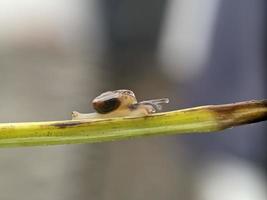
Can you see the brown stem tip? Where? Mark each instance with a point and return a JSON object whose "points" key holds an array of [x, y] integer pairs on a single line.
{"points": [[234, 114]]}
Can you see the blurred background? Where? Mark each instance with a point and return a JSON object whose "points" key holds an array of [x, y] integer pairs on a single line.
{"points": [[55, 56]]}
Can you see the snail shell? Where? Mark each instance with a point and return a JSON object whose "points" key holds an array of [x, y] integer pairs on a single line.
{"points": [[113, 100]]}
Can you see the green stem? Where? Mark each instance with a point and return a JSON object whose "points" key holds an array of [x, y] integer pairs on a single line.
{"points": [[193, 120]]}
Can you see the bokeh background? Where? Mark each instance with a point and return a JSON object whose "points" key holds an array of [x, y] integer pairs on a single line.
{"points": [[55, 56]]}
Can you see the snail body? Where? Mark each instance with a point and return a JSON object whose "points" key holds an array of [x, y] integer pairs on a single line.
{"points": [[120, 103]]}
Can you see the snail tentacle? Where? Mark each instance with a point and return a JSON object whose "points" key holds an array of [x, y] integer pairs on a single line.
{"points": [[155, 103]]}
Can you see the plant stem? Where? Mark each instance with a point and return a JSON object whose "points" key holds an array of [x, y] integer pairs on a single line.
{"points": [[193, 120]]}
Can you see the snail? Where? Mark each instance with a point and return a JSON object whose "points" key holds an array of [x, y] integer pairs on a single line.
{"points": [[120, 103]]}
